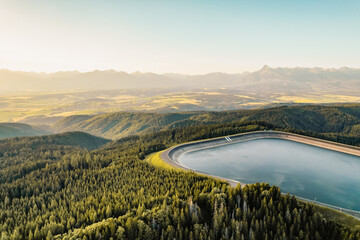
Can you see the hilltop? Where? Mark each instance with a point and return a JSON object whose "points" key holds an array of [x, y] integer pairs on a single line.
{"points": [[117, 125], [22, 156], [73, 139], [337, 119], [9, 130]]}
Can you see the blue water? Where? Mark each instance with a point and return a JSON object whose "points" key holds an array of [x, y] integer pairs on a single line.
{"points": [[300, 169]]}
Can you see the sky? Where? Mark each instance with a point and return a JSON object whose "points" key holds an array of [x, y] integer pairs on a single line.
{"points": [[187, 36]]}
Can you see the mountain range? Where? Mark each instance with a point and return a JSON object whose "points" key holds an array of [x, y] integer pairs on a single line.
{"points": [[267, 78]]}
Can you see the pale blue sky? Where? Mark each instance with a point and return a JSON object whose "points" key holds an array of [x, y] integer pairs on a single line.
{"points": [[177, 36]]}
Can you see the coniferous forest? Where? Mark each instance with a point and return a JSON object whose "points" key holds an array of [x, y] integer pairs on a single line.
{"points": [[62, 187], [119, 120]]}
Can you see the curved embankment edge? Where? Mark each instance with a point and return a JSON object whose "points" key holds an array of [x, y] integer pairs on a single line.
{"points": [[171, 155]]}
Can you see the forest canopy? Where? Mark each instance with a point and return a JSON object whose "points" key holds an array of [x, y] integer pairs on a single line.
{"points": [[51, 190]]}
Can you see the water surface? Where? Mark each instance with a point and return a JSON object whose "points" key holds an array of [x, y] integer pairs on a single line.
{"points": [[300, 169]]}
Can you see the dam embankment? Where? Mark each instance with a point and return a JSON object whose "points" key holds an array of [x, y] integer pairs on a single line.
{"points": [[307, 162], [171, 155]]}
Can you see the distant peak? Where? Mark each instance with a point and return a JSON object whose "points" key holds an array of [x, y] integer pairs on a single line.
{"points": [[265, 68]]}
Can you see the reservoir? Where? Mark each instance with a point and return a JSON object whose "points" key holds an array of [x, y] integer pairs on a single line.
{"points": [[303, 170]]}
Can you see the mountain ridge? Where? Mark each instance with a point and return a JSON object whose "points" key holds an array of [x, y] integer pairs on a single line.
{"points": [[308, 118], [10, 130], [111, 79]]}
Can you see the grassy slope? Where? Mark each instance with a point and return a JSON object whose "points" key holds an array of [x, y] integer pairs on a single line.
{"points": [[337, 216], [155, 160]]}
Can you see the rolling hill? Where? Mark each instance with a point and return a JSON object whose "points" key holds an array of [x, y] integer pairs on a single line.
{"points": [[73, 139], [9, 130], [117, 125], [332, 119], [21, 156], [339, 119]]}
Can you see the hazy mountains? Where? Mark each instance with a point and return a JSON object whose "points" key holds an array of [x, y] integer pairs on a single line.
{"points": [[105, 80], [278, 79], [316, 79], [45, 98]]}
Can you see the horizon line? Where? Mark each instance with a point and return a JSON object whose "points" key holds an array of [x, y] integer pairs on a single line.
{"points": [[178, 73]]}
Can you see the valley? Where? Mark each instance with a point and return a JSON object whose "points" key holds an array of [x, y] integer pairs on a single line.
{"points": [[39, 98]]}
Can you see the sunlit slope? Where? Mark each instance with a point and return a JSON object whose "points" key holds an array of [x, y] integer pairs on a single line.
{"points": [[116, 125], [324, 119], [70, 121], [340, 119], [8, 130]]}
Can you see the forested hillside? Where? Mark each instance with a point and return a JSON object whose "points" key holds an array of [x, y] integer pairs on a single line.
{"points": [[79, 139], [117, 125], [9, 130], [111, 193], [341, 120], [318, 118], [40, 151]]}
